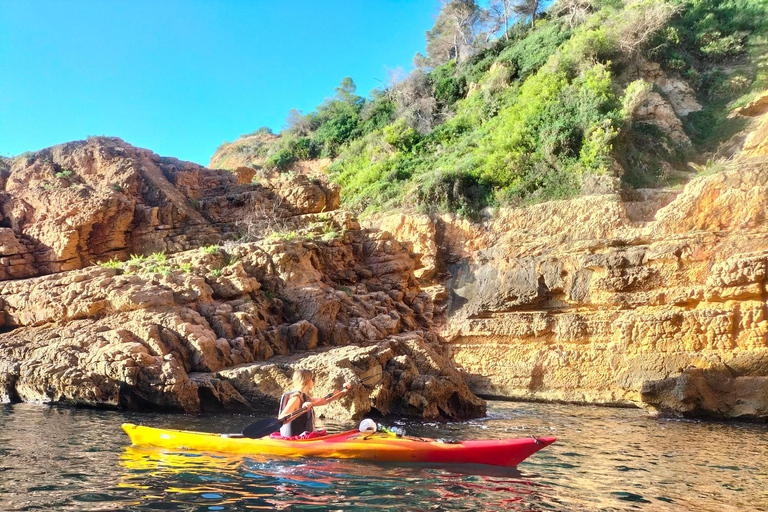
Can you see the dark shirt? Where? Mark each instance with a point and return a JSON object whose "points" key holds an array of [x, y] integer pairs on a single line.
{"points": [[303, 423]]}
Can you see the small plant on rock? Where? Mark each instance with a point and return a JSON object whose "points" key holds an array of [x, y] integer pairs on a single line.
{"points": [[137, 259], [331, 235], [112, 263], [711, 167], [330, 232]]}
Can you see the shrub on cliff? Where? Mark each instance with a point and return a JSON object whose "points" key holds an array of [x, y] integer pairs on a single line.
{"points": [[290, 149]]}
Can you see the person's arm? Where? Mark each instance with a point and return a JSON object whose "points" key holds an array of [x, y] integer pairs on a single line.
{"points": [[324, 400], [293, 405]]}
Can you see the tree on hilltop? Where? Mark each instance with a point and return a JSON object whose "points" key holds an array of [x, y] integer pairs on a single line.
{"points": [[526, 8], [345, 92], [500, 12], [458, 31]]}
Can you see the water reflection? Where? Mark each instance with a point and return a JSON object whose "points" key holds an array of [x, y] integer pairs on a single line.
{"points": [[236, 482], [605, 459]]}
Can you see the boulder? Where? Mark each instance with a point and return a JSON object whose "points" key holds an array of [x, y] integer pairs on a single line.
{"points": [[417, 380], [708, 393]]}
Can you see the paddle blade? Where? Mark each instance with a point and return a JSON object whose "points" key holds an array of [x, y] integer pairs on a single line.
{"points": [[371, 377], [262, 428]]}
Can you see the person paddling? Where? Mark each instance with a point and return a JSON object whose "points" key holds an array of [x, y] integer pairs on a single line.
{"points": [[292, 401]]}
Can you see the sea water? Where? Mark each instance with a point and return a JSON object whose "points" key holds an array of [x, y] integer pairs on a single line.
{"points": [[56, 458]]}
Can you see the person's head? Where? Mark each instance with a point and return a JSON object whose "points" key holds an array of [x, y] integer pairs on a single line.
{"points": [[302, 379]]}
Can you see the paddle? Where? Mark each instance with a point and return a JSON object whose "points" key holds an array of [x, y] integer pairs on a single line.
{"points": [[266, 426]]}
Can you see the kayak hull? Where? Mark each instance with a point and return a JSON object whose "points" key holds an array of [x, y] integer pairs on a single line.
{"points": [[378, 447]]}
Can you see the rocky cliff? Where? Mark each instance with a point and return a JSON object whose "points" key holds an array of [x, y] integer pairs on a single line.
{"points": [[215, 284], [657, 298], [211, 289], [71, 205]]}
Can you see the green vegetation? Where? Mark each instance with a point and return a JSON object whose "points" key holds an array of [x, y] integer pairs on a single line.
{"points": [[330, 232], [210, 249], [527, 113], [710, 167], [287, 236], [155, 263], [137, 259], [112, 263]]}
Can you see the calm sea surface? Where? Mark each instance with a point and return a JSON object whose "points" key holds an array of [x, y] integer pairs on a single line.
{"points": [[605, 459]]}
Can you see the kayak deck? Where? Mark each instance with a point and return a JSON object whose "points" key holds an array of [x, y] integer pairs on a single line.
{"points": [[380, 447]]}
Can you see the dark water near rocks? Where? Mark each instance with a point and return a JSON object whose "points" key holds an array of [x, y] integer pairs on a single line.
{"points": [[605, 459]]}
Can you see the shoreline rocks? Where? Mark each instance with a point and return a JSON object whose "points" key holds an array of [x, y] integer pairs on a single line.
{"points": [[177, 325]]}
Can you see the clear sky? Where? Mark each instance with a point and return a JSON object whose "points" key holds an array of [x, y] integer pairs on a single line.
{"points": [[180, 77]]}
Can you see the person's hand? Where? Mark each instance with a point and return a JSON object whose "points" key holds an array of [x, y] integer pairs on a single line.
{"points": [[308, 405]]}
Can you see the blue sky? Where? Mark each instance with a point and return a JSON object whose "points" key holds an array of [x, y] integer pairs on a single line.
{"points": [[179, 77]]}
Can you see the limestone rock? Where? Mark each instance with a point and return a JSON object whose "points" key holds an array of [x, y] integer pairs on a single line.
{"points": [[77, 203], [16, 256], [711, 392], [604, 299], [654, 109], [757, 107], [681, 96], [177, 332], [418, 229], [756, 143]]}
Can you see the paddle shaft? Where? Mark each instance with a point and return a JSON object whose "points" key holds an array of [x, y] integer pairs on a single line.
{"points": [[330, 397]]}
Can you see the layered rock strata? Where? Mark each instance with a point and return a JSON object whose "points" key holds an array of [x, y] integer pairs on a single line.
{"points": [[659, 301], [182, 334]]}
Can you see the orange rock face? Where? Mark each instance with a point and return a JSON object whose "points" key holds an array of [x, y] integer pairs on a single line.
{"points": [[756, 143], [601, 300], [88, 201], [215, 328]]}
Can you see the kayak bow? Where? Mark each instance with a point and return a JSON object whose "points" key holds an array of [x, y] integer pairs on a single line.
{"points": [[379, 446]]}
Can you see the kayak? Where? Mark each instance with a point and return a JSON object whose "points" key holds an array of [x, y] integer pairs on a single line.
{"points": [[377, 446]]}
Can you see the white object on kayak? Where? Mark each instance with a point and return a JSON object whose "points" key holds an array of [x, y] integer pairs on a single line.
{"points": [[367, 425]]}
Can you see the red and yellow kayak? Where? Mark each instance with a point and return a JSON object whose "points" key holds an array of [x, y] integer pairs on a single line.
{"points": [[379, 446]]}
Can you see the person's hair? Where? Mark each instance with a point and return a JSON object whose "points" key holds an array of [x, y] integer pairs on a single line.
{"points": [[301, 378]]}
